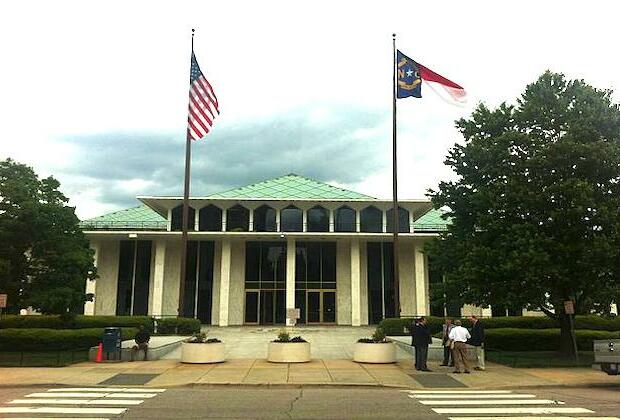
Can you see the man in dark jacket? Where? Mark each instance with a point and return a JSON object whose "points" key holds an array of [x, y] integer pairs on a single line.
{"points": [[477, 340], [420, 339]]}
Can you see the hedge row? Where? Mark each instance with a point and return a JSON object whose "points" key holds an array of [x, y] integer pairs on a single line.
{"points": [[515, 339], [44, 339], [178, 326], [79, 322], [400, 326]]}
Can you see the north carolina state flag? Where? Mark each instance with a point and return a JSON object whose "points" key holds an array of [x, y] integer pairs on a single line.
{"points": [[411, 74]]}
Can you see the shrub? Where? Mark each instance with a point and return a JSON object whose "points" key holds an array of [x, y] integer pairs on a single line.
{"points": [[400, 326], [516, 339], [45, 339], [285, 337], [178, 326], [77, 322], [202, 338]]}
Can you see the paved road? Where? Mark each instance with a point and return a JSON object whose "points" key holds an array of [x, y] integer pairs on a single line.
{"points": [[310, 402]]}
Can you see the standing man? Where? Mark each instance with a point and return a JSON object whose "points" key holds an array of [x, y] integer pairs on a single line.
{"points": [[477, 340], [448, 358], [459, 336], [420, 340]]}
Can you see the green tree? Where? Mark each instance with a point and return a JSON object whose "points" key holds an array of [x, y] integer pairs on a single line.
{"points": [[44, 256], [535, 207]]}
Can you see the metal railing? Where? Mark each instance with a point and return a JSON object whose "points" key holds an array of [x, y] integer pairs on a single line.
{"points": [[122, 225]]}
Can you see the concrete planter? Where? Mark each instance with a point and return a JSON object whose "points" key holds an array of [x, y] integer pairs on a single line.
{"points": [[374, 353], [288, 352], [202, 352]]}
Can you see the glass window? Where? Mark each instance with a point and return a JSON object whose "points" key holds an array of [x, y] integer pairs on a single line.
{"points": [[125, 278], [237, 219], [265, 262], [134, 273], [291, 219], [177, 218], [210, 219], [346, 219], [315, 266], [380, 281], [403, 220], [371, 220], [318, 219], [265, 219]]}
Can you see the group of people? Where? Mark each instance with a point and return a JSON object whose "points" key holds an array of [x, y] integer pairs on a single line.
{"points": [[455, 339]]}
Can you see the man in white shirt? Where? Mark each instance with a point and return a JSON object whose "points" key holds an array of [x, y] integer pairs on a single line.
{"points": [[459, 335]]}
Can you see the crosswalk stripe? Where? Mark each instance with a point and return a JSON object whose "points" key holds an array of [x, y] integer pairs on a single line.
{"points": [[62, 410], [488, 396], [490, 402], [75, 402], [533, 418], [412, 391], [513, 410], [103, 389], [90, 395]]}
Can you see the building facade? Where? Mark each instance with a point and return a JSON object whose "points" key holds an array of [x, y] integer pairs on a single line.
{"points": [[254, 251]]}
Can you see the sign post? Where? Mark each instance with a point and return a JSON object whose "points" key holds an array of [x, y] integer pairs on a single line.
{"points": [[293, 314], [569, 311], [2, 303]]}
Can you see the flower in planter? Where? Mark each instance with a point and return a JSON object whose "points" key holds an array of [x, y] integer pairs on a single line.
{"points": [[285, 337], [199, 338], [377, 337]]}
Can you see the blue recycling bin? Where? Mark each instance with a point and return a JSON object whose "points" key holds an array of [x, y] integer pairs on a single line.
{"points": [[112, 340]]}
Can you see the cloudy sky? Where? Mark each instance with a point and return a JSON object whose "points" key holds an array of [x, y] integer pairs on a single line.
{"points": [[95, 93]]}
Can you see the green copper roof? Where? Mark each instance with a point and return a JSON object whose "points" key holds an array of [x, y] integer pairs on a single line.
{"points": [[141, 217], [291, 187], [432, 220]]}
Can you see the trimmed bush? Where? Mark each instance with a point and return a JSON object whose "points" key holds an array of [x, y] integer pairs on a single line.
{"points": [[80, 321], [178, 326], [517, 339], [400, 326], [45, 339]]}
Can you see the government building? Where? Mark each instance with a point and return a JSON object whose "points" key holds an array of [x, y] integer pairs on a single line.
{"points": [[254, 251]]}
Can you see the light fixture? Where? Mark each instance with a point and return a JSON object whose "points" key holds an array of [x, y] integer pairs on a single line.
{"points": [[133, 235]]}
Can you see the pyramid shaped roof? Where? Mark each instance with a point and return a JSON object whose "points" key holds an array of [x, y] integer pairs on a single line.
{"points": [[291, 186]]}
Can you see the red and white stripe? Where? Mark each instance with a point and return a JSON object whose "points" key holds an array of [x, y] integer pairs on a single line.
{"points": [[203, 108], [452, 92]]}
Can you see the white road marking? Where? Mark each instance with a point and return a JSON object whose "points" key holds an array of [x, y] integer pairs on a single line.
{"points": [[413, 391], [61, 410], [490, 402], [103, 389], [448, 396], [533, 418], [513, 410], [76, 402], [90, 395]]}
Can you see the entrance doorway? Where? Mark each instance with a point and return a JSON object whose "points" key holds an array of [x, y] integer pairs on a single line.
{"points": [[265, 307], [320, 307]]}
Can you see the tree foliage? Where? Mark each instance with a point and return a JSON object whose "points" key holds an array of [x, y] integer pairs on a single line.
{"points": [[44, 256], [535, 208]]}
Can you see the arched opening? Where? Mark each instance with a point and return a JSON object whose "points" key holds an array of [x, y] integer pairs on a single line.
{"points": [[403, 220], [371, 220], [291, 219], [210, 219], [237, 219], [265, 219], [318, 219], [176, 224], [346, 219]]}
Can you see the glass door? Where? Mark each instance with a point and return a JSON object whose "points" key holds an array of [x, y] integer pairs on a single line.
{"points": [[329, 307], [313, 307], [320, 307]]}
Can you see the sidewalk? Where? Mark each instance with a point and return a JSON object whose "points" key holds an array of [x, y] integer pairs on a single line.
{"points": [[171, 373]]}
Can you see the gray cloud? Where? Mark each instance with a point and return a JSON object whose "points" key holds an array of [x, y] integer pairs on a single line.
{"points": [[327, 147]]}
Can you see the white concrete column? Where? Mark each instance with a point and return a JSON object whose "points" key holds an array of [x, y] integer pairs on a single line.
{"points": [[331, 220], [356, 301], [158, 278], [196, 220], [290, 277], [422, 304], [225, 282], [278, 219], [384, 221], [358, 220], [91, 285], [304, 220], [169, 220], [251, 220], [411, 222]]}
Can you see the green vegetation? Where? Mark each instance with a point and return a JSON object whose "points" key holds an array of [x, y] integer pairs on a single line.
{"points": [[43, 339], [44, 256], [178, 326], [514, 339], [535, 206], [539, 359], [79, 321]]}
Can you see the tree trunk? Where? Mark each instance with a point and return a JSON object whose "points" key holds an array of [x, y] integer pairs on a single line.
{"points": [[566, 335]]}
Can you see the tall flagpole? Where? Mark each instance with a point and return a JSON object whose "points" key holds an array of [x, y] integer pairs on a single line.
{"points": [[188, 160], [395, 212]]}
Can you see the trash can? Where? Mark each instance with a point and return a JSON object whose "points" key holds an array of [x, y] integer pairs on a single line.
{"points": [[112, 340]]}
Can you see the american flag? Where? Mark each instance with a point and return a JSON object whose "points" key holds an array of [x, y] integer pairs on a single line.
{"points": [[203, 106]]}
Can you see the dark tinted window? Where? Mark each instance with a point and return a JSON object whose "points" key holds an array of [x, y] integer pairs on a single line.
{"points": [[371, 220], [291, 219], [345, 220], [318, 219], [403, 220], [237, 219], [210, 219], [177, 218], [264, 219]]}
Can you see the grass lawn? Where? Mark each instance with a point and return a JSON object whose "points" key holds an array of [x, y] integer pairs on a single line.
{"points": [[538, 359], [42, 358]]}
